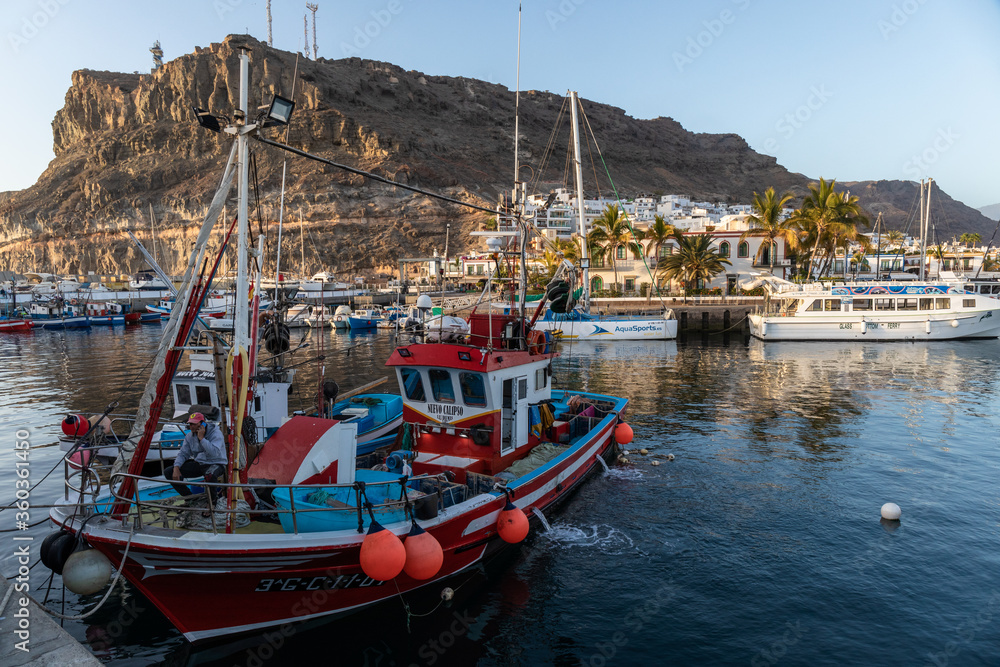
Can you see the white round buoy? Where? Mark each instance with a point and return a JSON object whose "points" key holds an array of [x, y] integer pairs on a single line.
{"points": [[954, 324], [670, 457], [655, 463], [625, 452], [891, 511], [86, 572]]}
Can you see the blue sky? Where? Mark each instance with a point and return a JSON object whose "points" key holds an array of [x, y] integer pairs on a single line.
{"points": [[853, 90]]}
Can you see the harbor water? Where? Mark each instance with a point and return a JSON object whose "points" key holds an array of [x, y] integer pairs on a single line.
{"points": [[759, 543]]}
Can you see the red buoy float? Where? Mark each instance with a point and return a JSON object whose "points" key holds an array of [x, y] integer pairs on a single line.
{"points": [[80, 458], [382, 553], [75, 425], [424, 555], [512, 524], [623, 434]]}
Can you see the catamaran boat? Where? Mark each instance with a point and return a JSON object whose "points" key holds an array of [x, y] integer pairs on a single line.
{"points": [[872, 311]]}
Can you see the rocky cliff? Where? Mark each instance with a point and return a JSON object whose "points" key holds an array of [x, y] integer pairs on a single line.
{"points": [[125, 142]]}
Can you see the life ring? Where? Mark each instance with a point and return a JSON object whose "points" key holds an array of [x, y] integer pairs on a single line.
{"points": [[536, 342], [72, 302]]}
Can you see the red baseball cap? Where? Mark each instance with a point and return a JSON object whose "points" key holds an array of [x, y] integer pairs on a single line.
{"points": [[196, 418]]}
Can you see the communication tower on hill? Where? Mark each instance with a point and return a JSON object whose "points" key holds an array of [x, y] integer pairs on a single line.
{"points": [[269, 42], [157, 55], [305, 31], [311, 7]]}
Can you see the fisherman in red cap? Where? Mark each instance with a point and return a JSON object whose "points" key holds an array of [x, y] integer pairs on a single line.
{"points": [[203, 454]]}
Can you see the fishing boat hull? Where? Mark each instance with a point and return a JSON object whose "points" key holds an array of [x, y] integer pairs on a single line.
{"points": [[15, 326], [107, 320], [268, 580], [63, 323]]}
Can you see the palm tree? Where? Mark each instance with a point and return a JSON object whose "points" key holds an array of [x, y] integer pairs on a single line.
{"points": [[658, 235], [822, 210], [610, 232], [694, 260], [766, 221], [970, 239], [895, 238]]}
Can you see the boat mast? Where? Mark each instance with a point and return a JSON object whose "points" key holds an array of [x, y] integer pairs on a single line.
{"points": [[152, 226], [302, 248], [927, 221], [241, 337], [923, 233], [520, 192], [578, 169]]}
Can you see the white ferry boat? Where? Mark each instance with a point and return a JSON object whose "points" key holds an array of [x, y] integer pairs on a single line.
{"points": [[872, 311]]}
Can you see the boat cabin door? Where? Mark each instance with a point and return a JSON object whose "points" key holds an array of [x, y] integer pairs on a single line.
{"points": [[514, 414]]}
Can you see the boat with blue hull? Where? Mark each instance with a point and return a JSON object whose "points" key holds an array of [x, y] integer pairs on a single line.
{"points": [[57, 315]]}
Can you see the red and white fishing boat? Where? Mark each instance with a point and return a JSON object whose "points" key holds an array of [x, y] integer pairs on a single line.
{"points": [[486, 444], [14, 325]]}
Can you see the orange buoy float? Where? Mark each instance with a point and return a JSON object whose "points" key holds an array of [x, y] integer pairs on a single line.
{"points": [[512, 524], [75, 425], [623, 434], [424, 555], [382, 553]]}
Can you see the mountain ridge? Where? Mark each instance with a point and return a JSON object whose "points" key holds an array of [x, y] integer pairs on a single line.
{"points": [[125, 141]]}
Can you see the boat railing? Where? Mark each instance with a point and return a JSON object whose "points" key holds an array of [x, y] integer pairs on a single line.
{"points": [[163, 512]]}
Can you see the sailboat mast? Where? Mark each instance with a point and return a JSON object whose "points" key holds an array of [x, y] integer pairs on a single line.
{"points": [[152, 226], [241, 336], [927, 219], [302, 247], [923, 233], [578, 169]]}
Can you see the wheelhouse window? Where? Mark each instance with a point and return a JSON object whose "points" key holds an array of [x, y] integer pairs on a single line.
{"points": [[927, 304], [831, 304], [817, 305], [184, 394], [204, 395], [413, 384], [473, 389], [441, 387], [906, 304]]}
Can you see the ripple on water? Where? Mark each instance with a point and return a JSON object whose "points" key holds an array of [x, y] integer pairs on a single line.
{"points": [[605, 538]]}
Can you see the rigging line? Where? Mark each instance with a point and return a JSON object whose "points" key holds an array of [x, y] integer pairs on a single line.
{"points": [[987, 251], [375, 177], [628, 223], [550, 146]]}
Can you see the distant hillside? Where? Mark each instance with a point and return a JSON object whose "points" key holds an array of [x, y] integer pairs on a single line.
{"points": [[992, 211], [124, 142], [898, 201]]}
